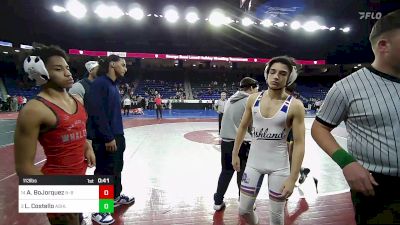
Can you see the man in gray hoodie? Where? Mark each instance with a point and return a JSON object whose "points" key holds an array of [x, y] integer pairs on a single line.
{"points": [[233, 112]]}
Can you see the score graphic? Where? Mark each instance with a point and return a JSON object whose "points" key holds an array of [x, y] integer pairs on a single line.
{"points": [[106, 195], [66, 194]]}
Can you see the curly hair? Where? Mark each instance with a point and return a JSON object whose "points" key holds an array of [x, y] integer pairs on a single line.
{"points": [[45, 52]]}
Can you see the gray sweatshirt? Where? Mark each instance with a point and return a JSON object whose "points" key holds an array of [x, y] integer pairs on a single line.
{"points": [[77, 89], [233, 112]]}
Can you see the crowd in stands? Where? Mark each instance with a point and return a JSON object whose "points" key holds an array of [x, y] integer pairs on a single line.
{"points": [[12, 103], [168, 89], [143, 95], [213, 89], [141, 85]]}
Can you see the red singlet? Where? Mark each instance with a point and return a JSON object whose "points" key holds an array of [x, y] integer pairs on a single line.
{"points": [[64, 144]]}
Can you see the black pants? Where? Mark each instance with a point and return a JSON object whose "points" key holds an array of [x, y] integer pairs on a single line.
{"points": [[110, 163], [227, 168], [219, 122], [64, 218], [159, 111], [126, 109], [384, 207]]}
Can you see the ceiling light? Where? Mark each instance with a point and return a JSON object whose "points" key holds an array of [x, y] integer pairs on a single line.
{"points": [[192, 17], [76, 8], [136, 13], [171, 15]]}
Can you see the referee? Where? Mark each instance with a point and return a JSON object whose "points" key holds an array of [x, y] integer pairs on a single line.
{"points": [[219, 107], [368, 101]]}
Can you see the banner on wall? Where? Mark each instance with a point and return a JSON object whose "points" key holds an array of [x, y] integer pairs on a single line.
{"points": [[185, 57], [120, 54]]}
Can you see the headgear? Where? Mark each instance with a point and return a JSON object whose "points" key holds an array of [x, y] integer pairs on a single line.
{"points": [[293, 75], [34, 66]]}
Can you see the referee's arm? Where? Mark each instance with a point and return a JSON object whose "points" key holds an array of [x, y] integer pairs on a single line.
{"points": [[321, 133], [332, 113]]}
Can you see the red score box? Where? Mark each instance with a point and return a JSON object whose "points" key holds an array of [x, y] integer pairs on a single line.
{"points": [[106, 192]]}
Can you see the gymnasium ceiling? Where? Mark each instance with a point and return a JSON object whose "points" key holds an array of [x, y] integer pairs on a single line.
{"points": [[27, 21]]}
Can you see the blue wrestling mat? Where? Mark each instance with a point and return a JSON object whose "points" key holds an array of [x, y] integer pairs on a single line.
{"points": [[186, 113]]}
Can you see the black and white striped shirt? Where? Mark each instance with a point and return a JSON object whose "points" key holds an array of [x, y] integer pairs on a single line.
{"points": [[369, 103]]}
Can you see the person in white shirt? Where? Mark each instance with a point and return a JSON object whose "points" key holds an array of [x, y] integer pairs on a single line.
{"points": [[127, 105], [24, 100], [219, 107]]}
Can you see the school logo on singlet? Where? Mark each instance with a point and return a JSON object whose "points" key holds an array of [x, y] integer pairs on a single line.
{"points": [[264, 134], [245, 179], [74, 132], [74, 136]]}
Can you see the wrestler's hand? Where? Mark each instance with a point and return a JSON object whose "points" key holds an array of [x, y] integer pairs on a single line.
{"points": [[236, 162], [89, 155], [287, 188]]}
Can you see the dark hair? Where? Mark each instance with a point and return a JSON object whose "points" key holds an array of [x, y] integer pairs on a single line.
{"points": [[45, 52], [104, 63], [248, 82], [387, 23], [291, 88], [286, 60]]}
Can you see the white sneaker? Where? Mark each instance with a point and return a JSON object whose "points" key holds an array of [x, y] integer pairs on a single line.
{"points": [[123, 200], [103, 218], [219, 207]]}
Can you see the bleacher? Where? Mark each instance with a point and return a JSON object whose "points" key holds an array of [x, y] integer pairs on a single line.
{"points": [[208, 91], [167, 89], [14, 90], [314, 91]]}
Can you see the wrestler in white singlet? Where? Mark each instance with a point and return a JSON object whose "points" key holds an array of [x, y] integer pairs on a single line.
{"points": [[268, 155]]}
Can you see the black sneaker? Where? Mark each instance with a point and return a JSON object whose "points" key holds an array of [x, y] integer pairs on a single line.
{"points": [[303, 175], [103, 218], [316, 184], [123, 200]]}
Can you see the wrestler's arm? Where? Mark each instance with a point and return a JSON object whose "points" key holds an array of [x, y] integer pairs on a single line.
{"points": [[26, 135], [296, 115], [298, 128]]}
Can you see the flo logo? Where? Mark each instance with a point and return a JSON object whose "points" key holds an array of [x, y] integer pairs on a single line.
{"points": [[370, 15]]}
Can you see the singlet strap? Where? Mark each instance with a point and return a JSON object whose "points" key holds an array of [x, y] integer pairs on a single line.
{"points": [[50, 106], [257, 102], [78, 103], [44, 101], [286, 104], [55, 107]]}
